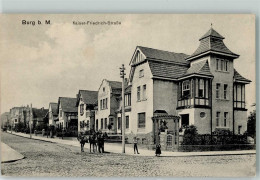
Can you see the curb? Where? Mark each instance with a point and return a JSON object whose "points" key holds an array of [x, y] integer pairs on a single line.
{"points": [[187, 155], [32, 138], [10, 161]]}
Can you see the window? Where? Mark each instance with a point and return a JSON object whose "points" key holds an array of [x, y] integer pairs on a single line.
{"points": [[102, 124], [96, 124], [60, 113], [119, 123], [225, 91], [87, 124], [141, 120], [225, 118], [226, 66], [127, 122], [186, 88], [128, 100], [239, 129], [106, 103], [217, 65], [105, 123], [144, 92], [101, 104], [222, 65], [217, 90], [217, 118], [81, 109], [138, 93], [141, 73], [201, 88], [104, 89], [202, 114], [191, 89]]}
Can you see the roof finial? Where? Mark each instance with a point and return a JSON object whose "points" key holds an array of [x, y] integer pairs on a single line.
{"points": [[211, 25]]}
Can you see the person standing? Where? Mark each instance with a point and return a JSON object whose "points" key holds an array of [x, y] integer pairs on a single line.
{"points": [[81, 140], [135, 145], [158, 151]]}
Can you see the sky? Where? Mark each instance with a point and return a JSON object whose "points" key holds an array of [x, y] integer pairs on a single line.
{"points": [[41, 63]]}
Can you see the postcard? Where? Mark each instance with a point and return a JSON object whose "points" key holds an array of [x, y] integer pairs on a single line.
{"points": [[128, 95]]}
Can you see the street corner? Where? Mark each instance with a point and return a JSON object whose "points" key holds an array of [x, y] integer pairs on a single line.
{"points": [[8, 154]]}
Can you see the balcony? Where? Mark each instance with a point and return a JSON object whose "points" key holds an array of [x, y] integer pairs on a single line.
{"points": [[195, 102]]}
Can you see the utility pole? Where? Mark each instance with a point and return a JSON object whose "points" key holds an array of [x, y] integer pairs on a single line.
{"points": [[122, 75], [30, 121]]}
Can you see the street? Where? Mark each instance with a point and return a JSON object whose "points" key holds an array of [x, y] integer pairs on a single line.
{"points": [[51, 159]]}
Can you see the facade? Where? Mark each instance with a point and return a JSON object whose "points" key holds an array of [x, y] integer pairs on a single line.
{"points": [[23, 115], [53, 114], [203, 89], [86, 102], [67, 113], [109, 94], [5, 119], [17, 114], [128, 129], [38, 116]]}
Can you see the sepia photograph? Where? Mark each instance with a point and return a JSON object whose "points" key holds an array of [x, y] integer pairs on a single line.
{"points": [[128, 95]]}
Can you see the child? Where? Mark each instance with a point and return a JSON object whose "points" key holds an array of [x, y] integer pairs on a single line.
{"points": [[158, 150]]}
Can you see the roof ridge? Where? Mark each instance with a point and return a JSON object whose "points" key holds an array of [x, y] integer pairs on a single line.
{"points": [[88, 90], [163, 50]]}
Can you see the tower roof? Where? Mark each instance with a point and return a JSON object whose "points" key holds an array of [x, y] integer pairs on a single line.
{"points": [[211, 32], [212, 42]]}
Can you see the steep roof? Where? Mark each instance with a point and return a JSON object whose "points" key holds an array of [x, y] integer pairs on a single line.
{"points": [[212, 41], [213, 33], [115, 84], [68, 104], [54, 108], [167, 70], [238, 77], [39, 113], [89, 97], [199, 68], [157, 54]]}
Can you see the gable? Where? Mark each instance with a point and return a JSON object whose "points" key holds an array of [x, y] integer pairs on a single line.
{"points": [[137, 57]]}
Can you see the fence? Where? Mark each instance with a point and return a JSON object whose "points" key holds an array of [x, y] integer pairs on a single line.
{"points": [[208, 139]]}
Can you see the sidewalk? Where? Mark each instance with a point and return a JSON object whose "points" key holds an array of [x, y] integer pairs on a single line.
{"points": [[117, 148], [8, 154]]}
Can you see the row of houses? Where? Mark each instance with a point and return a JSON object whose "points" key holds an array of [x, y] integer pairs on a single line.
{"points": [[25, 115], [203, 89]]}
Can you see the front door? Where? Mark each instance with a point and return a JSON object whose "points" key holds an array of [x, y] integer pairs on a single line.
{"points": [[184, 120]]}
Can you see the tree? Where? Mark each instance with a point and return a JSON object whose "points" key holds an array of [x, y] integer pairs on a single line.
{"points": [[251, 124], [190, 136]]}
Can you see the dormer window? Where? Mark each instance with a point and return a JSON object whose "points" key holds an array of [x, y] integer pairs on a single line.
{"points": [[141, 73], [104, 89]]}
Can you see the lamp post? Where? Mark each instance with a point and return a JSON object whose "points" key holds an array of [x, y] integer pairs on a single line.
{"points": [[122, 75], [30, 121]]}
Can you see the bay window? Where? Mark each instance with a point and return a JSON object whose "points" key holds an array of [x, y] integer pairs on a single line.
{"points": [[186, 88]]}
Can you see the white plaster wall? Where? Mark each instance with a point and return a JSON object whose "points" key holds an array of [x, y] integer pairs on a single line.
{"points": [[143, 105], [222, 105], [165, 96], [240, 120]]}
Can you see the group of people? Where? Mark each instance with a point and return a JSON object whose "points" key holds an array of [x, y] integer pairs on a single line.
{"points": [[96, 141]]}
